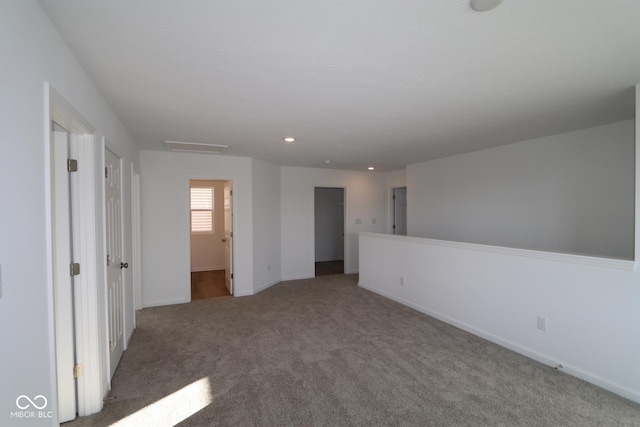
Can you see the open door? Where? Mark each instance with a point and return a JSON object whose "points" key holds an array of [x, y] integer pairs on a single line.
{"points": [[115, 262], [228, 236], [63, 274]]}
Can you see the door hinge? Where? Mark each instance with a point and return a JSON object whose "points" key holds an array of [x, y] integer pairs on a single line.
{"points": [[231, 192], [74, 269], [110, 346], [106, 172], [231, 234], [232, 275], [72, 165], [78, 371]]}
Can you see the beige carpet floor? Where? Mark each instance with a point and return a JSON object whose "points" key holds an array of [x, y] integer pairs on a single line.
{"points": [[323, 352]]}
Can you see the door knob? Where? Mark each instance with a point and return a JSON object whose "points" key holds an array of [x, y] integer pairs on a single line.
{"points": [[224, 240], [124, 265]]}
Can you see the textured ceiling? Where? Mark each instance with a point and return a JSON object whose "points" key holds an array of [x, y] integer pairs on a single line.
{"points": [[359, 82]]}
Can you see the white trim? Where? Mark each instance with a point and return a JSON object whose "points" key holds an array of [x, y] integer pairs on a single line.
{"points": [[539, 357], [137, 242], [298, 277], [89, 390], [102, 267], [265, 286], [637, 177], [243, 294], [619, 264], [53, 367], [159, 303], [62, 112]]}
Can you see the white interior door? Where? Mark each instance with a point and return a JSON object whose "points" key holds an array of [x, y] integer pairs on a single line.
{"points": [[400, 211], [228, 236], [63, 281], [115, 262]]}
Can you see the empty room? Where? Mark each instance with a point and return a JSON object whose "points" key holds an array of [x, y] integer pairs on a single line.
{"points": [[329, 213]]}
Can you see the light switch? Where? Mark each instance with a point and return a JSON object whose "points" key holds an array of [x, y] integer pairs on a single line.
{"points": [[373, 221], [358, 221]]}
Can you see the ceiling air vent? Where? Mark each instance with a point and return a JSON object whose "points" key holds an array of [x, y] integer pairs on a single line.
{"points": [[195, 147]]}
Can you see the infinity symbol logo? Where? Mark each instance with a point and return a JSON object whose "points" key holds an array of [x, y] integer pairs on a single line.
{"points": [[20, 402]]}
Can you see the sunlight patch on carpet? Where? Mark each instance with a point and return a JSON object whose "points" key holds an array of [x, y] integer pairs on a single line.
{"points": [[174, 408]]}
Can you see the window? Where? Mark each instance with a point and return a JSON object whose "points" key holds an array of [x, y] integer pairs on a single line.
{"points": [[202, 210]]}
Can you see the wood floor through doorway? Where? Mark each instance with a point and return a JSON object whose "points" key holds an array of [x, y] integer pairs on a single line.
{"points": [[329, 267], [208, 284]]}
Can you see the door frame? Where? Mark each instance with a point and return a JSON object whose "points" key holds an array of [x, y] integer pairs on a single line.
{"points": [[88, 348], [187, 224], [392, 215], [136, 231], [345, 238]]}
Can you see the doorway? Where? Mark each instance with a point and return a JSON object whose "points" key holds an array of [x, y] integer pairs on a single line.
{"points": [[329, 230], [75, 221], [211, 238], [399, 211]]}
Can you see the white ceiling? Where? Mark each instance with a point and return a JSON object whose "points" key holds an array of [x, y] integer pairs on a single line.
{"points": [[358, 82]]}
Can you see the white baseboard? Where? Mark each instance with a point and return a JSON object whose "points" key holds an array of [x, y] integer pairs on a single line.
{"points": [[266, 285], [303, 276], [532, 354], [127, 340], [242, 294], [147, 304]]}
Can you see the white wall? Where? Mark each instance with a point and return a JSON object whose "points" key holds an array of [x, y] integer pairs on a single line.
{"points": [[593, 321], [33, 53], [329, 224], [207, 249], [565, 193], [165, 221], [589, 303], [396, 179], [266, 225], [366, 200]]}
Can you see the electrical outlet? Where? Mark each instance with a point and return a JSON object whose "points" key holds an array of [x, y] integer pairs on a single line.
{"points": [[542, 323], [401, 281], [269, 267]]}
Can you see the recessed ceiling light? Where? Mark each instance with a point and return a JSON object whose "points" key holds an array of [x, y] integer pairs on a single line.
{"points": [[327, 162], [484, 5], [289, 139], [371, 168]]}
